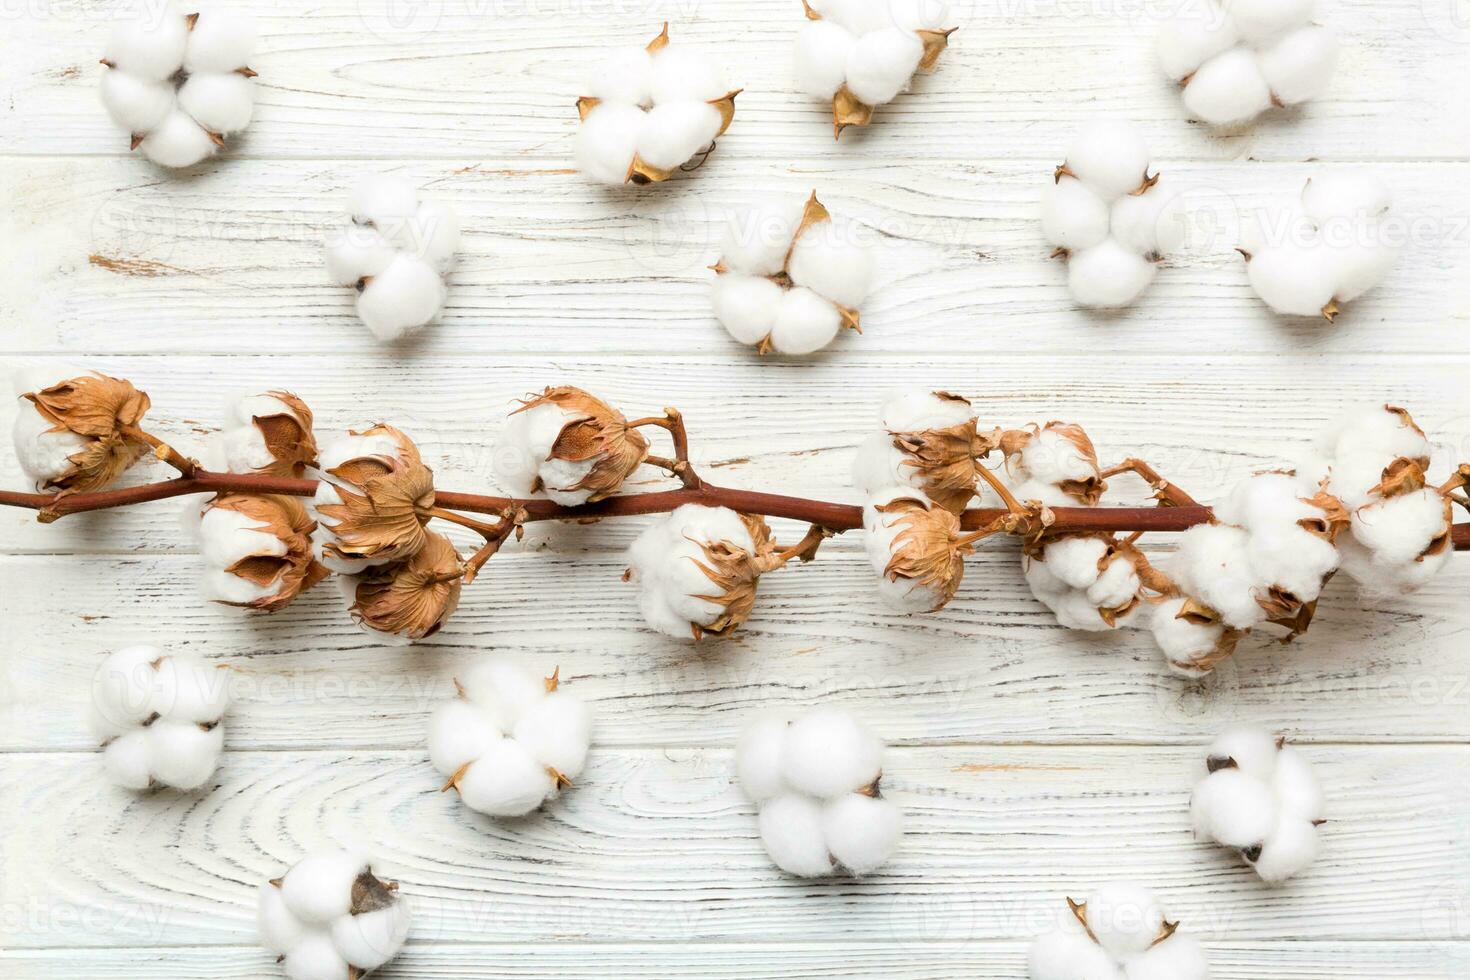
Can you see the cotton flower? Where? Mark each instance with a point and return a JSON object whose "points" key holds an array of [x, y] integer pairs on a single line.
{"points": [[180, 84], [1262, 799], [816, 781], [159, 717], [373, 500], [790, 278], [916, 548], [408, 599], [1375, 460], [1089, 581], [269, 433], [1266, 557], [1236, 59], [649, 111], [1119, 933], [568, 446], [1109, 218], [510, 741], [860, 54], [331, 918], [78, 434], [696, 570], [1336, 244], [257, 550], [929, 442], [396, 252]]}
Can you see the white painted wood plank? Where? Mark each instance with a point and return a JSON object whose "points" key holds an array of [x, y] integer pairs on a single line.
{"points": [[918, 960], [461, 77], [1205, 420], [658, 846], [107, 257], [993, 667]]}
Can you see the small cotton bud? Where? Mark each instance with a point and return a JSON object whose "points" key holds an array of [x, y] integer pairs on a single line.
{"points": [[567, 445], [373, 500], [330, 918], [1120, 931], [78, 434], [409, 599], [929, 442], [268, 433], [257, 550], [916, 548]]}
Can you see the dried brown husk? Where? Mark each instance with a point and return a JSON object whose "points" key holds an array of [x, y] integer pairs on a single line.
{"points": [[1404, 475], [414, 597], [288, 437], [1334, 520], [735, 572], [386, 501], [103, 410], [944, 458], [596, 431], [285, 519], [929, 551]]}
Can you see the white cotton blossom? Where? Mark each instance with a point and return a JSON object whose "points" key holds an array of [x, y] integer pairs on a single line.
{"points": [[362, 474], [1087, 581], [331, 918], [1109, 218], [649, 111], [568, 446], [1234, 59], [396, 251], [1262, 799], [1338, 242], [510, 740], [1375, 460], [160, 717], [860, 54], [815, 779], [696, 570], [45, 450], [790, 277], [1119, 933], [179, 85], [927, 441]]}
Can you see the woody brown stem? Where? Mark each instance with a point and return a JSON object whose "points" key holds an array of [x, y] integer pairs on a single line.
{"points": [[833, 516], [805, 549], [1166, 493], [486, 530], [162, 450], [673, 422]]}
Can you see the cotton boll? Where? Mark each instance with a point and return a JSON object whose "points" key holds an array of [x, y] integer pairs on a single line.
{"points": [[1360, 264], [758, 756], [1398, 530], [1176, 958], [1299, 66], [791, 830], [1074, 561], [1213, 563], [384, 201], [607, 140], [135, 103], [1295, 784], [879, 464], [124, 686], [1191, 37], [881, 64], [126, 760], [1183, 642], [523, 452], [370, 939], [505, 689], [830, 260], [183, 754], [1260, 20], [43, 455], [755, 240], [178, 141], [673, 132], [404, 297], [149, 47], [459, 732], [1228, 89], [1252, 749], [1126, 919], [1061, 955], [861, 831], [1233, 807], [625, 77], [882, 530], [314, 957], [279, 930], [822, 51], [356, 252], [918, 409], [1072, 216], [829, 752], [1293, 279], [189, 690], [805, 322], [1289, 850], [221, 41], [505, 782], [557, 732], [1371, 430], [683, 74], [1152, 223], [1345, 194], [746, 305], [1109, 157], [1108, 275], [319, 887]]}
